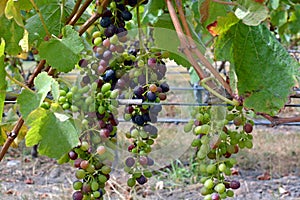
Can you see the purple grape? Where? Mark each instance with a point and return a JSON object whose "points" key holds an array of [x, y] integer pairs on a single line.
{"points": [[126, 15], [152, 62], [110, 30], [73, 155], [77, 195], [129, 161], [165, 87], [234, 184], [215, 196], [107, 55], [105, 22], [141, 180], [150, 162], [83, 63], [138, 91], [151, 96], [143, 160], [138, 119]]}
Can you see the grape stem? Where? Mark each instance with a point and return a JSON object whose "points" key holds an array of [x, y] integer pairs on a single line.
{"points": [[88, 23], [41, 17], [19, 83], [203, 84], [194, 49]]}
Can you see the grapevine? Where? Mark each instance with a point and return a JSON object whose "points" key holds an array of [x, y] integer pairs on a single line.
{"points": [[117, 50]]}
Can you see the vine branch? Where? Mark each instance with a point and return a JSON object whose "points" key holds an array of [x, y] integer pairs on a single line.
{"points": [[88, 23], [78, 14], [194, 48], [226, 3], [183, 41], [74, 11]]}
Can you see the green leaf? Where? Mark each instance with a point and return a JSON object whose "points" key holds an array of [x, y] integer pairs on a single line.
{"points": [[264, 69], [294, 20], [12, 10], [2, 6], [153, 10], [274, 4], [12, 33], [279, 17], [63, 54], [52, 12], [2, 78], [25, 4], [252, 13], [55, 133], [30, 101]]}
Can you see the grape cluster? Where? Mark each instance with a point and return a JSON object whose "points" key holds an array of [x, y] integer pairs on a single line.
{"points": [[92, 171], [216, 144]]}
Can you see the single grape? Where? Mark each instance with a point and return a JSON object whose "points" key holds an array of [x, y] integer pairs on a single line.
{"points": [[77, 195], [141, 180], [222, 167], [152, 62], [237, 121], [151, 96], [215, 196], [234, 184], [126, 15], [77, 185], [130, 162], [84, 164], [86, 188], [211, 168], [105, 22], [73, 155], [220, 188], [143, 160], [101, 150], [248, 128], [80, 174], [209, 184], [165, 87], [84, 146], [131, 182]]}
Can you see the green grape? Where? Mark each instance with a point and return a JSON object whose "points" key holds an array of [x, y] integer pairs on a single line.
{"points": [[220, 188], [227, 171], [230, 193], [74, 108], [131, 182], [223, 195], [97, 41], [66, 106], [77, 185], [105, 87], [203, 179], [94, 185], [89, 100], [222, 167], [201, 155], [248, 144], [188, 127], [84, 146], [85, 122], [211, 168], [147, 174], [209, 183], [62, 93], [80, 174], [205, 139], [102, 178], [114, 94], [62, 99], [207, 197], [242, 144], [96, 194], [205, 191], [101, 110], [202, 168], [105, 169], [196, 143]]}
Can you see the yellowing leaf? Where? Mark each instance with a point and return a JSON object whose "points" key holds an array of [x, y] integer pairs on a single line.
{"points": [[12, 10], [6, 129], [2, 6]]}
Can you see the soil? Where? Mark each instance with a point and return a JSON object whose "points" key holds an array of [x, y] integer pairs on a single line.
{"points": [[23, 178]]}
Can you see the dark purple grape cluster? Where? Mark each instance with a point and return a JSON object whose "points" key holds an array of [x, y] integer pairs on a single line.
{"points": [[92, 172], [116, 15]]}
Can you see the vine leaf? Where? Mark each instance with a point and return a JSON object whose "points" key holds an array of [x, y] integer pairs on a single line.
{"points": [[2, 78], [52, 12], [12, 33], [30, 101], [63, 54], [55, 135], [264, 70], [252, 13], [12, 10], [224, 23], [153, 9], [294, 20], [209, 11]]}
